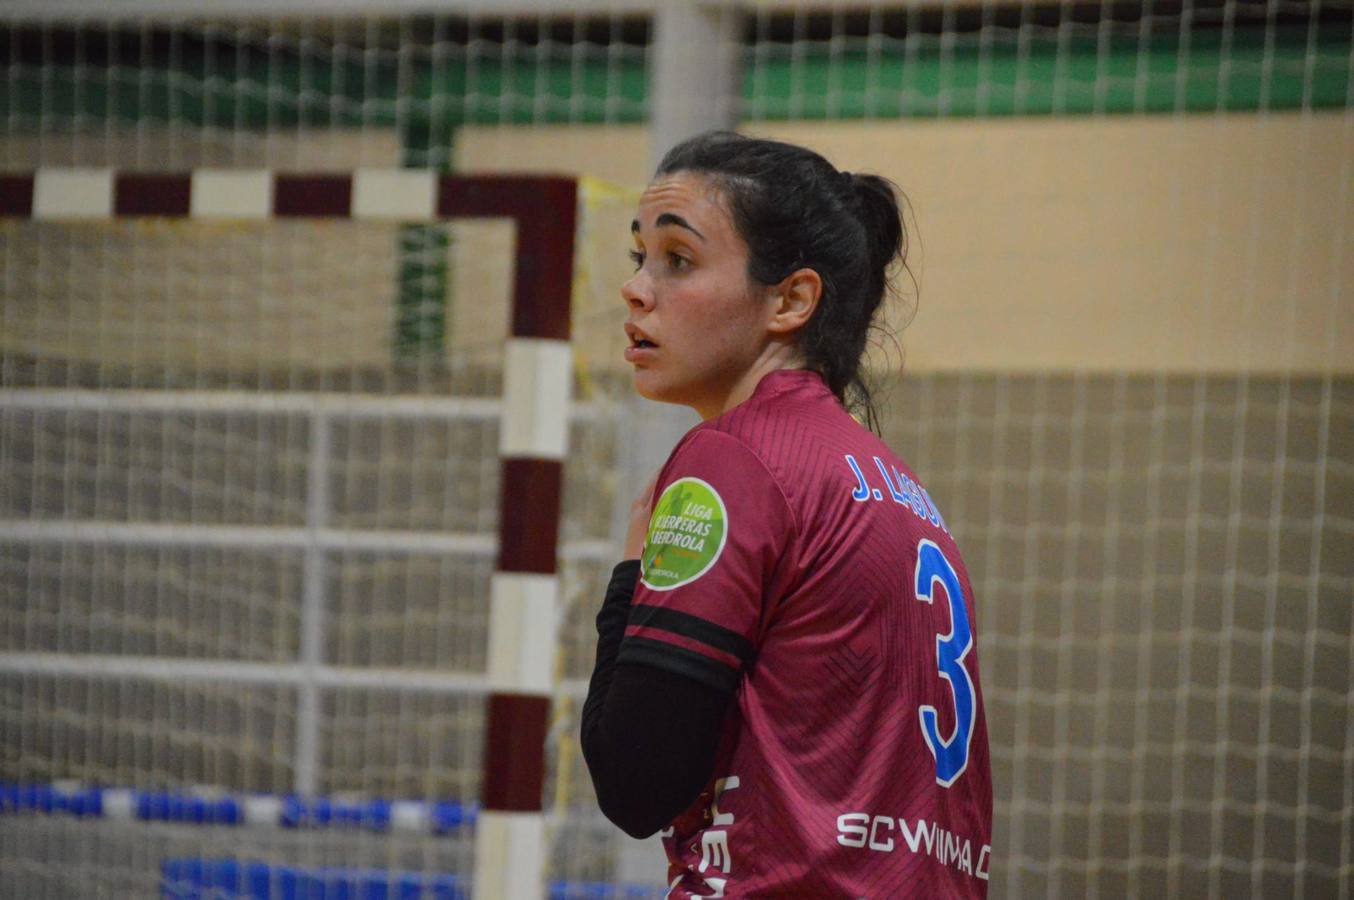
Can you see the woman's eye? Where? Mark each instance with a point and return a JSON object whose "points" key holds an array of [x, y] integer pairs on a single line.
{"points": [[637, 258], [678, 262]]}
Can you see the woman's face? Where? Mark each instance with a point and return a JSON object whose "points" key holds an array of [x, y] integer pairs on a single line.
{"points": [[697, 324]]}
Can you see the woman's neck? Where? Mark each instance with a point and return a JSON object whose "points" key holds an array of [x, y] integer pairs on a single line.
{"points": [[775, 357]]}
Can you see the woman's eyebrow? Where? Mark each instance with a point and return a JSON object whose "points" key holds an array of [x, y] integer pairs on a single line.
{"points": [[668, 219]]}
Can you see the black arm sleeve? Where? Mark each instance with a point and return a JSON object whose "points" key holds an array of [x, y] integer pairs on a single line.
{"points": [[649, 736]]}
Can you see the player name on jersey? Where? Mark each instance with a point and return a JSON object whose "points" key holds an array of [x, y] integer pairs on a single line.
{"points": [[902, 490]]}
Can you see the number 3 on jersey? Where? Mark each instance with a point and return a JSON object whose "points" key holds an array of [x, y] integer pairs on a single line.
{"points": [[951, 755]]}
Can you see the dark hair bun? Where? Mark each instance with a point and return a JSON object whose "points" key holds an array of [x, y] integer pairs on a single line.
{"points": [[883, 224]]}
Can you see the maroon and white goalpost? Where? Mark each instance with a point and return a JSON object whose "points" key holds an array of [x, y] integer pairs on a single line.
{"points": [[525, 594]]}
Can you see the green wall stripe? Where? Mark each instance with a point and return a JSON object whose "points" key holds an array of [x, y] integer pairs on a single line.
{"points": [[1084, 77], [1283, 68]]}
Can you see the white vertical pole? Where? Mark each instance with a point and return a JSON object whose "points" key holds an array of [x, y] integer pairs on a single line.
{"points": [[312, 607], [695, 84], [695, 78], [510, 838]]}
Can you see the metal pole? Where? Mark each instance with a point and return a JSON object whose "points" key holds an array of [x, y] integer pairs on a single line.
{"points": [[695, 79], [312, 609], [695, 84]]}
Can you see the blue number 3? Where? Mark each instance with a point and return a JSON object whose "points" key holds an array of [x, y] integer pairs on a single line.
{"points": [[951, 755]]}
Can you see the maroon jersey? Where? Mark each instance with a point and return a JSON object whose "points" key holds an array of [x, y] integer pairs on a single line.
{"points": [[793, 559]]}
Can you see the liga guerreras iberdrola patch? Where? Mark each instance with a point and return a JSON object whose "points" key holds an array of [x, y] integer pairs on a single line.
{"points": [[686, 535]]}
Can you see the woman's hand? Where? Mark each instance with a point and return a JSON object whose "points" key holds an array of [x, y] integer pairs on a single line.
{"points": [[639, 521]]}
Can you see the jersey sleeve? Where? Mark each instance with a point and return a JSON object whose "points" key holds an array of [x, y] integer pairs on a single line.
{"points": [[719, 530]]}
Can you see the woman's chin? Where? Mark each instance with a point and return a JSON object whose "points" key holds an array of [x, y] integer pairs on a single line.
{"points": [[644, 383], [652, 387]]}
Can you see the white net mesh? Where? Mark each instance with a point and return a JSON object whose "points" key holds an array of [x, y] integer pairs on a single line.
{"points": [[211, 382], [1128, 387]]}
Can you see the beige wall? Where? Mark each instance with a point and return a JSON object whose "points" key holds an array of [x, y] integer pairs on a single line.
{"points": [[1179, 244], [1200, 243]]}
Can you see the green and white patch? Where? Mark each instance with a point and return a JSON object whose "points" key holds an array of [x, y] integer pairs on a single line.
{"points": [[686, 535]]}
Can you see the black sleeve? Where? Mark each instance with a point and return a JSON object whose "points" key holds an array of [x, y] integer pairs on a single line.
{"points": [[649, 736]]}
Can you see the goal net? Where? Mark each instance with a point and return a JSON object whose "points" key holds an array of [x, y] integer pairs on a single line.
{"points": [[1124, 367], [237, 449]]}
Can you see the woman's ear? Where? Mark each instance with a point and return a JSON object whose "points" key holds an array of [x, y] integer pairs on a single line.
{"points": [[796, 299]]}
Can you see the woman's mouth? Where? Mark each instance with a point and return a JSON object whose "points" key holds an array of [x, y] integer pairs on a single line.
{"points": [[641, 349]]}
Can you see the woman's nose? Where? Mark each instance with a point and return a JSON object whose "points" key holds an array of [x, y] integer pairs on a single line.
{"points": [[638, 291]]}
